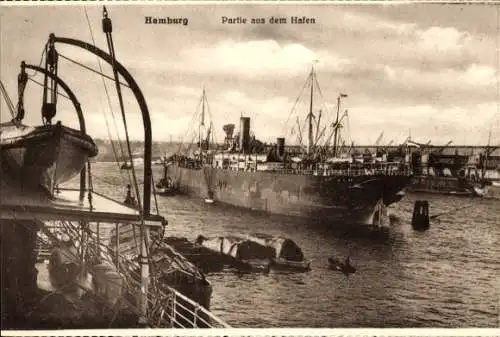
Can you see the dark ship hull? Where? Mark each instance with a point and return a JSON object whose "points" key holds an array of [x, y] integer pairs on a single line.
{"points": [[350, 199], [441, 185]]}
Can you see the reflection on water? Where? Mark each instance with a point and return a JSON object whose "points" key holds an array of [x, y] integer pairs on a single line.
{"points": [[444, 277]]}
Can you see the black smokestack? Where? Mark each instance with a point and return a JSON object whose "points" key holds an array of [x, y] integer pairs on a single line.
{"points": [[281, 147], [245, 134]]}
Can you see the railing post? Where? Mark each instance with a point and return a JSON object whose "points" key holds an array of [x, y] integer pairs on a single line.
{"points": [[98, 236], [195, 315], [174, 301], [117, 243]]}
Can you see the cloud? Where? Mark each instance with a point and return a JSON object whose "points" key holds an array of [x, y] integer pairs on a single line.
{"points": [[374, 39], [442, 39], [448, 79], [374, 25], [403, 66], [480, 75], [259, 58]]}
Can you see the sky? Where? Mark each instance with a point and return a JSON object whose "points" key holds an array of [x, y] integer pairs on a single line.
{"points": [[425, 70]]}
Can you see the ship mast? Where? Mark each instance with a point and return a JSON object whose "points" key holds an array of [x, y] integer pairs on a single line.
{"points": [[202, 121], [336, 125], [310, 116], [485, 162]]}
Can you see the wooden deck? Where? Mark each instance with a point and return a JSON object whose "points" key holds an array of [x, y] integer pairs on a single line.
{"points": [[23, 204]]}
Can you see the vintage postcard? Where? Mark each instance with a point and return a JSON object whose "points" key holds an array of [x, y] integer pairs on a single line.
{"points": [[292, 168]]}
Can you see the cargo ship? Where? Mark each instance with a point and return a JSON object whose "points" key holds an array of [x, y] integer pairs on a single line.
{"points": [[320, 182], [444, 170]]}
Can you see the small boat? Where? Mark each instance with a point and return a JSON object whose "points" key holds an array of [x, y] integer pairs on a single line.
{"points": [[210, 199], [244, 255], [166, 187], [286, 254], [44, 156], [126, 166], [343, 266], [480, 191]]}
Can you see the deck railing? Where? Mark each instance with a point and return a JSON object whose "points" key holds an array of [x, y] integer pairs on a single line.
{"points": [[179, 311], [346, 172], [351, 172]]}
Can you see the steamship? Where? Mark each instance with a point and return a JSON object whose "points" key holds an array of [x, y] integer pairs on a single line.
{"points": [[318, 182]]}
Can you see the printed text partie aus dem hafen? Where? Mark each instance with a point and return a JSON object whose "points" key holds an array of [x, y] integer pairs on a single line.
{"points": [[240, 20]]}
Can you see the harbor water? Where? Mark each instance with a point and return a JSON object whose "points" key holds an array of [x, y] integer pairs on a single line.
{"points": [[447, 276]]}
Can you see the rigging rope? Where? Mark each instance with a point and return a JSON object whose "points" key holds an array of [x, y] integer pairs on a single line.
{"points": [[92, 70], [41, 84], [209, 112], [193, 118], [154, 194], [9, 103], [109, 38], [296, 102], [91, 185], [110, 107], [40, 63]]}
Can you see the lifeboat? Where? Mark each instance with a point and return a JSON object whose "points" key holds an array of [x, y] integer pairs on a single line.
{"points": [[43, 156]]}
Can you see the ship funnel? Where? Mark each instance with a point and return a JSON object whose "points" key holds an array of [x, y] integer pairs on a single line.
{"points": [[228, 129], [280, 142], [245, 134]]}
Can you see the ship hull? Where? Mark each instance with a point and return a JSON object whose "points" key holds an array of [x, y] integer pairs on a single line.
{"points": [[44, 156], [441, 185], [353, 199]]}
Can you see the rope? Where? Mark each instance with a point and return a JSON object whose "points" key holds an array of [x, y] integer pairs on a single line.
{"points": [[181, 144], [41, 84], [92, 70], [124, 119], [109, 104], [109, 39], [9, 103], [91, 185], [296, 101], [209, 112], [154, 194], [41, 61]]}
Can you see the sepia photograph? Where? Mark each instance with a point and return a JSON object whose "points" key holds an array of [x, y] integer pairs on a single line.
{"points": [[257, 165]]}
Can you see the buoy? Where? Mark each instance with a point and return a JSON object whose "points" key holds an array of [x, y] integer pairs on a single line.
{"points": [[420, 218]]}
